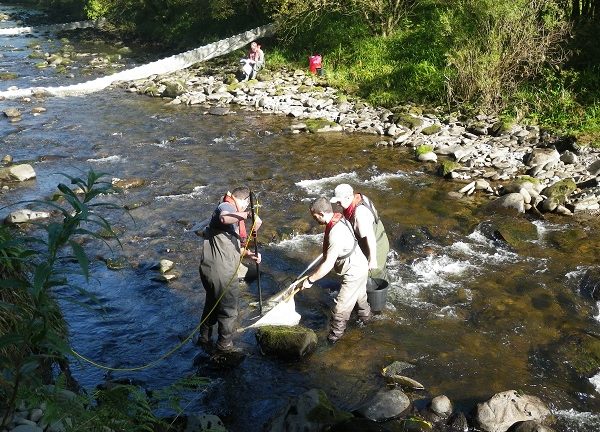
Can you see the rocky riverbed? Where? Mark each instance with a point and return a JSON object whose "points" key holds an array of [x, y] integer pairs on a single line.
{"points": [[532, 170]]}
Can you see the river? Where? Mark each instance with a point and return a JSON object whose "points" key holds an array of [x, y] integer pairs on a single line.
{"points": [[475, 316]]}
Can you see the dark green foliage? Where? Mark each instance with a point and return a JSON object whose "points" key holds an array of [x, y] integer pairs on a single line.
{"points": [[34, 333]]}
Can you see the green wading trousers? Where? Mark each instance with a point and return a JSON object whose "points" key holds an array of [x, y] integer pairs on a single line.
{"points": [[218, 273]]}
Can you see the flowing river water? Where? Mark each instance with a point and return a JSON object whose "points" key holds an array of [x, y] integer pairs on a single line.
{"points": [[475, 316]]}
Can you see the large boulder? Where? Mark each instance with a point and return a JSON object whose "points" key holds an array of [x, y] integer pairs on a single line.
{"points": [[507, 408], [289, 343], [385, 405], [512, 203], [310, 412], [542, 159]]}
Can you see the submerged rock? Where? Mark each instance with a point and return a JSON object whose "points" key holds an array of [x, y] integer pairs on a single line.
{"points": [[580, 352], [516, 232], [204, 423], [310, 412]]}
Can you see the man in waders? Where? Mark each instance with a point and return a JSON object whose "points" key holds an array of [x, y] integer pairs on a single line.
{"points": [[368, 228], [341, 253], [222, 250]]}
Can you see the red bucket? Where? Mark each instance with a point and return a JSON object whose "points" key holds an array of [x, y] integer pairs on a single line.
{"points": [[314, 63]]}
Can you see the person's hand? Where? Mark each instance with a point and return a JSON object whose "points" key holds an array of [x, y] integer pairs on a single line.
{"points": [[254, 257], [307, 283], [372, 264]]}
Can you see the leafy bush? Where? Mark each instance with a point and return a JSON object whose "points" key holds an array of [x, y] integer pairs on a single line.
{"points": [[499, 45]]}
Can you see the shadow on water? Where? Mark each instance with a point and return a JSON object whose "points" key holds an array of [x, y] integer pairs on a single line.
{"points": [[473, 315]]}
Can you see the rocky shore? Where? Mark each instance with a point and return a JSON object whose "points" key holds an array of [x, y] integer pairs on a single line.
{"points": [[525, 168]]}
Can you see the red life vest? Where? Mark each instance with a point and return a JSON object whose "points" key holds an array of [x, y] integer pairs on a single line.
{"points": [[228, 198], [335, 219]]}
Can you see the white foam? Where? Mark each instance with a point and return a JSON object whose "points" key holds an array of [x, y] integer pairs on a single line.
{"points": [[380, 180], [299, 242], [433, 270], [597, 317], [196, 192], [326, 184], [114, 158], [580, 421], [595, 380]]}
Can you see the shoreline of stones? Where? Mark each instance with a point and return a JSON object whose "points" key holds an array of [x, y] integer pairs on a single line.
{"points": [[524, 167]]}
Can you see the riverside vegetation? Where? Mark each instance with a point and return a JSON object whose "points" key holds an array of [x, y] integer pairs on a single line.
{"points": [[34, 335]]}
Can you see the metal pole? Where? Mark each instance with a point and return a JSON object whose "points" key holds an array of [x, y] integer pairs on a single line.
{"points": [[254, 236]]}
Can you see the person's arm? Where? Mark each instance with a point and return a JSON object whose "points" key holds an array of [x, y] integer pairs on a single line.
{"points": [[324, 268], [230, 218]]}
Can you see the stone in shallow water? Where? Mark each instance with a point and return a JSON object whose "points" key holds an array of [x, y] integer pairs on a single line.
{"points": [[219, 111], [385, 405]]}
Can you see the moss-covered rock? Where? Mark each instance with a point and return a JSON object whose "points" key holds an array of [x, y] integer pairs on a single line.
{"points": [[446, 166], [501, 127], [567, 239], [314, 125], [174, 89], [527, 179], [117, 263], [289, 343], [517, 232], [430, 130], [8, 75], [423, 149], [409, 121], [560, 190], [36, 55], [581, 351], [304, 89], [233, 87]]}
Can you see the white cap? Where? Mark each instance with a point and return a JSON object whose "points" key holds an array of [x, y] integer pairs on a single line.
{"points": [[343, 190]]}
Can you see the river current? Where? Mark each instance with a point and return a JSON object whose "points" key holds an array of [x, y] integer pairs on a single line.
{"points": [[475, 316]]}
